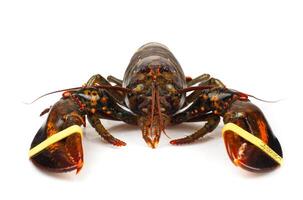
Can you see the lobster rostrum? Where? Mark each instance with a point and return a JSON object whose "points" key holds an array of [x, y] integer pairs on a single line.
{"points": [[153, 95]]}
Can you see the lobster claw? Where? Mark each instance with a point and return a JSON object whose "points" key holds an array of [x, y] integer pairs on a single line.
{"points": [[57, 146], [249, 140]]}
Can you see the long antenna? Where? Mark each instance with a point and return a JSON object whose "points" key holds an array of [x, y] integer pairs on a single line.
{"points": [[84, 87], [257, 98], [195, 88], [266, 101]]}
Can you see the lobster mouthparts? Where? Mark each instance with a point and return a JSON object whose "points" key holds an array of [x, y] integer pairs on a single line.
{"points": [[151, 131], [152, 125]]}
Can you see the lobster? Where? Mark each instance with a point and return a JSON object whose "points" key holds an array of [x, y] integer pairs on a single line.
{"points": [[153, 96]]}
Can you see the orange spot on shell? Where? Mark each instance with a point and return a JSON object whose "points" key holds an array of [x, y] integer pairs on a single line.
{"points": [[263, 132], [103, 99], [215, 98], [243, 96], [236, 161], [66, 94]]}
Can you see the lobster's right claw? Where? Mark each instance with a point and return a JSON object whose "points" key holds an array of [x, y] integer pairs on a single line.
{"points": [[57, 146], [61, 152]]}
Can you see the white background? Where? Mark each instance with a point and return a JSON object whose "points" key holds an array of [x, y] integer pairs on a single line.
{"points": [[253, 46]]}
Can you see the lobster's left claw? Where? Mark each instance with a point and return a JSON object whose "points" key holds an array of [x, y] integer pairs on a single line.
{"points": [[64, 155], [249, 140]]}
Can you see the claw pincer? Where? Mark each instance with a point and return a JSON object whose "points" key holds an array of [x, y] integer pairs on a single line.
{"points": [[67, 153], [248, 138]]}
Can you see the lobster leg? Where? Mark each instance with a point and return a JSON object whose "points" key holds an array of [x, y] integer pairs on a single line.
{"points": [[64, 155], [99, 80], [243, 153], [200, 79], [203, 80], [212, 123], [106, 107], [96, 123], [115, 80], [198, 111]]}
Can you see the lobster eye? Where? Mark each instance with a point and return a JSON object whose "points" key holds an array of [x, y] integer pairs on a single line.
{"points": [[139, 88], [165, 69], [94, 93]]}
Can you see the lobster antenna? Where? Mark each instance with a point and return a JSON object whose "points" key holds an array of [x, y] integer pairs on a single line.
{"points": [[266, 101], [213, 86], [88, 87], [188, 89], [49, 93], [257, 98]]}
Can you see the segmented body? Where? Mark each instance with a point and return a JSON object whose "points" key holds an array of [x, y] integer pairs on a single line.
{"points": [[154, 65]]}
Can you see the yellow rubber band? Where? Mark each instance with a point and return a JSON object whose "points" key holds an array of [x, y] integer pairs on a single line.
{"points": [[252, 139], [55, 138]]}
